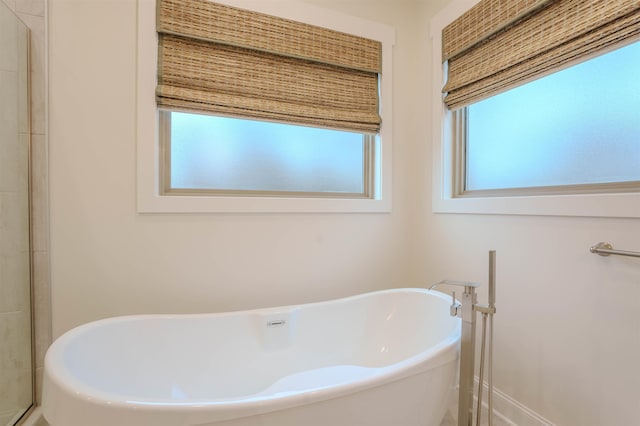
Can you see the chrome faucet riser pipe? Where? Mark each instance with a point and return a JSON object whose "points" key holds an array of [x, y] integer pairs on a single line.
{"points": [[481, 373], [467, 359]]}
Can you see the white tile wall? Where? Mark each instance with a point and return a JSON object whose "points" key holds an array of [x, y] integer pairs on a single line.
{"points": [[15, 315], [14, 294], [9, 33], [30, 7], [15, 362]]}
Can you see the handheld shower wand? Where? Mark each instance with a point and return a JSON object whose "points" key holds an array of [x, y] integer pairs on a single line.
{"points": [[487, 312]]}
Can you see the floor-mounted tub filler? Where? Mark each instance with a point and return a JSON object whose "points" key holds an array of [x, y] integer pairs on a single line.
{"points": [[377, 359], [467, 311]]}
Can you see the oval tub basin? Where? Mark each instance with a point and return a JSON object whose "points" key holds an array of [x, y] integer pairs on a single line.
{"points": [[376, 359]]}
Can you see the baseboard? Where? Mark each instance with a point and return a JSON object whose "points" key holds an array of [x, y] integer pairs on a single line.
{"points": [[510, 411]]}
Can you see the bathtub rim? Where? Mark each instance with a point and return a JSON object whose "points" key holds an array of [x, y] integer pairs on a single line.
{"points": [[445, 351]]}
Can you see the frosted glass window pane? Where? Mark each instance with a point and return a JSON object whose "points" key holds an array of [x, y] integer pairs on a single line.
{"points": [[223, 153], [577, 126]]}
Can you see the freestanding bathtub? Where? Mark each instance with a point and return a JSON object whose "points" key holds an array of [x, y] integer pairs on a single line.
{"points": [[378, 359]]}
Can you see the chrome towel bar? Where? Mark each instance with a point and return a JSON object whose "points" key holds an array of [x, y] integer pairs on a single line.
{"points": [[606, 249]]}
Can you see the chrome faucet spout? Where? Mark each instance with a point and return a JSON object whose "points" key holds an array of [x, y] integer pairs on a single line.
{"points": [[465, 284]]}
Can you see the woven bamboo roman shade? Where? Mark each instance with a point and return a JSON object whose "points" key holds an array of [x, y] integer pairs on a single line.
{"points": [[500, 44], [218, 59]]}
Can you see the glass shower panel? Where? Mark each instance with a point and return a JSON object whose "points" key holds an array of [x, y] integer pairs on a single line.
{"points": [[16, 367]]}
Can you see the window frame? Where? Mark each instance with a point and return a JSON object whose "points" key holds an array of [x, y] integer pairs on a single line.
{"points": [[448, 162], [149, 196]]}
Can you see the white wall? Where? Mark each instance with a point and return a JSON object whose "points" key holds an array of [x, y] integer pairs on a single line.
{"points": [[108, 260], [567, 328], [568, 322]]}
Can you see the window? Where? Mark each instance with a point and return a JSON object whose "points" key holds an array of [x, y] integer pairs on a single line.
{"points": [[522, 129], [206, 154], [292, 157], [579, 127]]}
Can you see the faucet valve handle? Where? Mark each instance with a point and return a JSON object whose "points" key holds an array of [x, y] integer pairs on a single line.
{"points": [[454, 309]]}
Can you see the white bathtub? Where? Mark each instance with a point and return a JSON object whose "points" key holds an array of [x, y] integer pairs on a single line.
{"points": [[377, 359]]}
